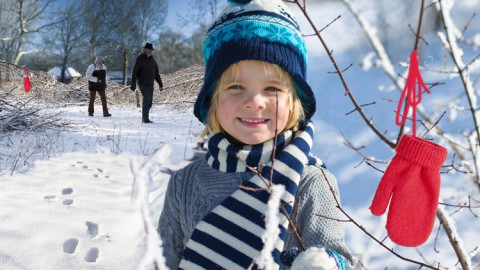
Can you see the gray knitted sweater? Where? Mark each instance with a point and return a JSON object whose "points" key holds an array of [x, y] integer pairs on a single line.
{"points": [[198, 188]]}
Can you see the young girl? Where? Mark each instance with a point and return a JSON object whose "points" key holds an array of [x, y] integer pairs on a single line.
{"points": [[254, 96]]}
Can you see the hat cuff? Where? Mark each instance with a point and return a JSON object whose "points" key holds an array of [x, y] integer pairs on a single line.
{"points": [[286, 56]]}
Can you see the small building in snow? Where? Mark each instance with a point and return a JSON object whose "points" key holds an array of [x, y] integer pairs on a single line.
{"points": [[70, 73]]}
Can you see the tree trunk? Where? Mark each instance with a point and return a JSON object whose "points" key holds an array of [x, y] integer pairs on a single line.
{"points": [[125, 65], [21, 40]]}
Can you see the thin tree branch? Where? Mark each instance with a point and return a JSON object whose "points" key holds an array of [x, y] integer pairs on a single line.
{"points": [[342, 79]]}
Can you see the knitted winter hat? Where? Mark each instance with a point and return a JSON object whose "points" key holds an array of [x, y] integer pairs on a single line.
{"points": [[255, 30]]}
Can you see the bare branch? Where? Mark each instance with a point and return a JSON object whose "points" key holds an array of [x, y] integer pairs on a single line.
{"points": [[342, 79], [350, 145], [436, 123], [364, 105], [293, 227]]}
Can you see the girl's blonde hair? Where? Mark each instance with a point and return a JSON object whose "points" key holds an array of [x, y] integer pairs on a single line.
{"points": [[297, 114]]}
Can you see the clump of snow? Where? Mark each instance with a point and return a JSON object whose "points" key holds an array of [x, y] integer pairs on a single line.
{"points": [[314, 258]]}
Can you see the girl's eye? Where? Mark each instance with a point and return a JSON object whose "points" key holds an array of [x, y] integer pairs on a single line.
{"points": [[235, 87], [273, 90]]}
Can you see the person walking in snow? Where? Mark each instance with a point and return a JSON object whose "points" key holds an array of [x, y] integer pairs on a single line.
{"points": [[97, 82], [256, 105], [146, 71]]}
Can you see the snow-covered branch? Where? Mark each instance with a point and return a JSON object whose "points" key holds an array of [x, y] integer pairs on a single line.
{"points": [[457, 243], [146, 181], [449, 39], [272, 220]]}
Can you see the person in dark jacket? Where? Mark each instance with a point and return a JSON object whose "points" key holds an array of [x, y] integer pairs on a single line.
{"points": [[145, 71], [97, 82]]}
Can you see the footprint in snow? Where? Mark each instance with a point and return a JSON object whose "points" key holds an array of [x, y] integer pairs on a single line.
{"points": [[67, 191], [67, 202], [92, 229], [92, 255], [49, 197], [70, 245], [101, 174], [79, 164]]}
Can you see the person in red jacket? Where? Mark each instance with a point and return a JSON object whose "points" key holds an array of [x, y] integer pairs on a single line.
{"points": [[145, 71]]}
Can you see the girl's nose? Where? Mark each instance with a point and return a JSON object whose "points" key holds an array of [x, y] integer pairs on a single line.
{"points": [[255, 101]]}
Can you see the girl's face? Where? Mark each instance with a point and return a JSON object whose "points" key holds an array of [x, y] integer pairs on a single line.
{"points": [[247, 104]]}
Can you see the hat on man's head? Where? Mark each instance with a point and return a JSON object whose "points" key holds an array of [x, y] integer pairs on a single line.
{"points": [[148, 46], [99, 58], [262, 30]]}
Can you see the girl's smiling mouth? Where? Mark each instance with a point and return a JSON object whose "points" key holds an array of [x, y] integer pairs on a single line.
{"points": [[253, 121]]}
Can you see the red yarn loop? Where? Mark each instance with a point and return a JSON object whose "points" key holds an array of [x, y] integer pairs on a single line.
{"points": [[412, 92]]}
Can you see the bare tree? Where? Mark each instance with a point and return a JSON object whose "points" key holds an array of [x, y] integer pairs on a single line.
{"points": [[94, 15], [131, 23], [201, 13], [178, 51], [65, 38], [23, 18]]}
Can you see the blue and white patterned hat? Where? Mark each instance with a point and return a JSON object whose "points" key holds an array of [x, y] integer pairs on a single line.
{"points": [[255, 30]]}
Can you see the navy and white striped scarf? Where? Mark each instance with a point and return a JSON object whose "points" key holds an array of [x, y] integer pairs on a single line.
{"points": [[229, 237]]}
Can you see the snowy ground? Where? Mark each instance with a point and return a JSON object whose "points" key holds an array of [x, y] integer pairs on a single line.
{"points": [[74, 210]]}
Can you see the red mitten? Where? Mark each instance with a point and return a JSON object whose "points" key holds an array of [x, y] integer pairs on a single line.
{"points": [[26, 81], [412, 180]]}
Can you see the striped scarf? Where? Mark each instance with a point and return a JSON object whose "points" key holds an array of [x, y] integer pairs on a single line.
{"points": [[229, 237]]}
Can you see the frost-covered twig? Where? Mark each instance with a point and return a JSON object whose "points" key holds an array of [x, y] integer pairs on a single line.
{"points": [[272, 220], [152, 252], [449, 39], [455, 240]]}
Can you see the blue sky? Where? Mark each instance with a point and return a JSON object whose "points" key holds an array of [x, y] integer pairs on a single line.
{"points": [[176, 7]]}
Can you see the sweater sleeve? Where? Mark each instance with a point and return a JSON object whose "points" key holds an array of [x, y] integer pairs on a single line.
{"points": [[169, 226], [318, 216]]}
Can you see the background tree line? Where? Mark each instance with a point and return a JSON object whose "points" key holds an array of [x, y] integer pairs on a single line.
{"points": [[43, 33]]}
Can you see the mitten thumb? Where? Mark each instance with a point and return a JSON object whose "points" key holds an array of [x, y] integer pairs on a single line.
{"points": [[385, 188]]}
